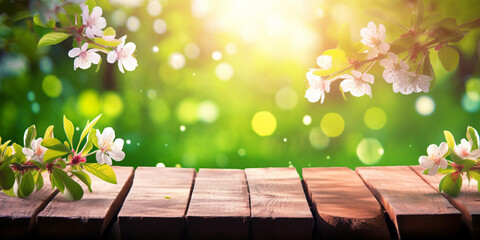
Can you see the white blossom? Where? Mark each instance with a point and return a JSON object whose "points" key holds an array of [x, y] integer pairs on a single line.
{"points": [[464, 150], [357, 83], [94, 22], [36, 151], [84, 58], [416, 83], [396, 72], [109, 149], [435, 158], [374, 39], [317, 89], [124, 54], [325, 61]]}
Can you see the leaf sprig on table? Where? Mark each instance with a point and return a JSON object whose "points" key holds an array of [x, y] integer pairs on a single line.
{"points": [[406, 60], [21, 167], [464, 160]]}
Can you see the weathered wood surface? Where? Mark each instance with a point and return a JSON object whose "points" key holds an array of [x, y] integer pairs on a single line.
{"points": [[344, 207], [417, 210], [467, 202], [219, 207], [90, 216], [156, 204], [279, 208], [17, 215]]}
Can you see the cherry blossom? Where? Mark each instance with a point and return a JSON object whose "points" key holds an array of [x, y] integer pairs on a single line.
{"points": [[84, 58], [374, 39], [464, 150], [416, 83], [36, 151], [109, 149], [325, 62], [396, 72], [357, 83], [94, 22], [317, 89], [435, 158], [124, 54]]}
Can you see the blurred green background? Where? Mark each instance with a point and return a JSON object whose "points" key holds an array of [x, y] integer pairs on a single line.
{"points": [[214, 76]]}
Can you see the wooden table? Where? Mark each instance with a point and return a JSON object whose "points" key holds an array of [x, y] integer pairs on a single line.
{"points": [[260, 203]]}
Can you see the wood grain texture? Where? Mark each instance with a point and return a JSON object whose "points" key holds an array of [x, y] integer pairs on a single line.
{"points": [[417, 210], [279, 208], [467, 202], [344, 207], [156, 204], [219, 207], [89, 217], [17, 215]]}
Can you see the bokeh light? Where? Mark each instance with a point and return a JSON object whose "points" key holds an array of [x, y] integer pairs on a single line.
{"points": [[425, 105], [208, 111], [286, 98], [264, 123], [216, 55], [307, 120], [192, 51], [186, 111], [231, 48], [470, 102], [177, 60], [118, 17], [332, 124], [133, 24], [158, 110], [154, 8], [370, 151], [88, 103], [52, 86], [224, 71], [159, 26], [318, 139], [112, 104], [375, 118]]}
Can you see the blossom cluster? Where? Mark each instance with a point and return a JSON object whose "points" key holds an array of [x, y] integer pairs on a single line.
{"points": [[21, 168], [405, 61], [84, 22], [465, 160]]}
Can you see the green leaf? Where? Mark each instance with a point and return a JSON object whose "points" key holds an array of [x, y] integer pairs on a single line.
{"points": [[109, 31], [73, 190], [72, 9], [471, 25], [21, 15], [472, 136], [83, 177], [455, 157], [449, 57], [450, 139], [98, 65], [9, 192], [467, 163], [419, 13], [475, 175], [339, 61], [89, 144], [87, 129], [451, 185], [91, 4], [102, 171], [30, 134], [56, 182], [112, 43], [48, 132], [52, 155], [52, 38], [38, 178], [20, 156], [444, 171], [7, 178], [63, 19], [428, 70], [344, 39], [69, 129], [38, 22], [27, 184], [55, 144], [62, 164], [402, 44], [39, 165]]}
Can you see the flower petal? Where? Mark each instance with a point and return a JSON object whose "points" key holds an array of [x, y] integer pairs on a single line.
{"points": [[112, 56], [99, 157], [118, 144], [130, 63], [108, 134], [313, 95], [96, 12], [94, 57], [368, 78], [433, 170], [347, 85], [432, 150], [28, 152], [130, 48], [442, 149], [425, 162], [74, 52], [117, 155]]}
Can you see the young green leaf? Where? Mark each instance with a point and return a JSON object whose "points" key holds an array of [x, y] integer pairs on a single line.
{"points": [[63, 19], [48, 132], [98, 65], [52, 155], [73, 190], [72, 9], [427, 69], [344, 39], [7, 178], [102, 171], [27, 184], [450, 139], [29, 135], [467, 163], [56, 182], [472, 136], [38, 180], [112, 43], [83, 177], [475, 175], [89, 144], [449, 57], [452, 185], [444, 171], [69, 129], [55, 144], [52, 38], [87, 129]]}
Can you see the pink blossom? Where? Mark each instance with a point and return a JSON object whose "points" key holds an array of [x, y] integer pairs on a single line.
{"points": [[84, 58], [94, 22], [357, 83]]}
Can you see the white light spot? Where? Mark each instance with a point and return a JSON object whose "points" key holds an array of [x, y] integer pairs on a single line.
{"points": [[231, 48], [77, 128], [128, 141], [160, 164], [133, 24], [425, 105], [241, 152], [307, 120], [151, 94], [216, 55], [286, 98], [154, 8], [155, 49], [118, 17], [192, 51], [183, 128], [207, 111], [284, 139], [176, 60], [159, 26], [320, 13], [194, 74], [224, 71]]}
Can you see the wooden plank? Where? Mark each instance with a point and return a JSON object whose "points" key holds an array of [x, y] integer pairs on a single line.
{"points": [[417, 210], [156, 204], [279, 208], [90, 216], [467, 202], [344, 207], [17, 215], [219, 207]]}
